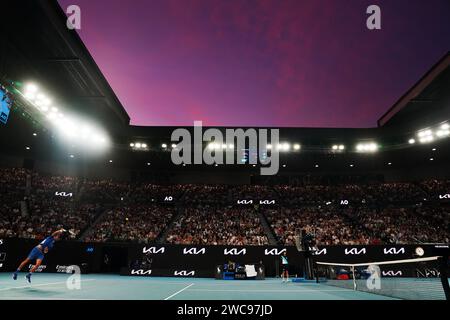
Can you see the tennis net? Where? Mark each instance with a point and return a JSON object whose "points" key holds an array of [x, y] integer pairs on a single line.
{"points": [[411, 279]]}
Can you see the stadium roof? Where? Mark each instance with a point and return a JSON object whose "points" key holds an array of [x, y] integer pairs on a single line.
{"points": [[429, 98], [37, 45]]}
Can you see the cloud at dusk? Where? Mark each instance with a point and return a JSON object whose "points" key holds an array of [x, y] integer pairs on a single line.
{"points": [[278, 63]]}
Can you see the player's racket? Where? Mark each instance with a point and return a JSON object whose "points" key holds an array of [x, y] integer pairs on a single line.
{"points": [[70, 231]]}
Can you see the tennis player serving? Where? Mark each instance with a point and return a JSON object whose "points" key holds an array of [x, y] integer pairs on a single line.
{"points": [[38, 253]]}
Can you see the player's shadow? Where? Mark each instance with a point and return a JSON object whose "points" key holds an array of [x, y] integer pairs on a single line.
{"points": [[37, 292]]}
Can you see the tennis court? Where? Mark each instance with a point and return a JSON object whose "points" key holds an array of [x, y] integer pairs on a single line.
{"points": [[115, 287]]}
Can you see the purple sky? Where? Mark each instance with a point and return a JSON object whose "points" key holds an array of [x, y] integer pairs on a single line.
{"points": [[307, 63]]}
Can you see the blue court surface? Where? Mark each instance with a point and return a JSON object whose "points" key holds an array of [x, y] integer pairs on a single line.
{"points": [[115, 287]]}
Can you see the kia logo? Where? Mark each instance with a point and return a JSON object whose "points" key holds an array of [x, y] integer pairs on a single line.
{"points": [[394, 251], [184, 273], [322, 251], [266, 201], [234, 252], [141, 272], [355, 251], [153, 250], [194, 251], [274, 252], [245, 202], [63, 194], [444, 196]]}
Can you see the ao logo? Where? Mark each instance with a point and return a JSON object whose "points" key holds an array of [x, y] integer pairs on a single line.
{"points": [[194, 251], [234, 252], [266, 201], [392, 273], [184, 273], [153, 250], [344, 202], [394, 251], [274, 252], [245, 202], [141, 272], [355, 251], [170, 198]]}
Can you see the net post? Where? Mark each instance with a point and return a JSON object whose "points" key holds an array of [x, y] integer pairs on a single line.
{"points": [[354, 279], [443, 264]]}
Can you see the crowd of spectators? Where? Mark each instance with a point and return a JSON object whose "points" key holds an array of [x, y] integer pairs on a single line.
{"points": [[210, 225], [135, 223], [328, 225], [402, 212]]}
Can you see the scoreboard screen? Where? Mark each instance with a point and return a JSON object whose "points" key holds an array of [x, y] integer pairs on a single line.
{"points": [[5, 106]]}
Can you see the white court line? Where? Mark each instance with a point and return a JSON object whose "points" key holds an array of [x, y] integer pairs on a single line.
{"points": [[252, 290], [53, 299], [42, 284], [173, 295]]}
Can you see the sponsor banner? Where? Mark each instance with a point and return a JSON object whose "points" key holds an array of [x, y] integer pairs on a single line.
{"points": [[197, 258], [41, 268], [181, 273], [64, 194], [235, 251], [194, 251], [153, 250], [263, 202]]}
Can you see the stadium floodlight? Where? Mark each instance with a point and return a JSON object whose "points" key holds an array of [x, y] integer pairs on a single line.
{"points": [[442, 133], [31, 87], [297, 146], [72, 156], [316, 166], [431, 159], [224, 146], [110, 161], [148, 163], [138, 145], [174, 145], [425, 136], [367, 147], [51, 116], [132, 145], [339, 147], [28, 148], [144, 145], [352, 165], [411, 141], [230, 146], [445, 126], [164, 145], [269, 147], [34, 134], [389, 163], [284, 166]]}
